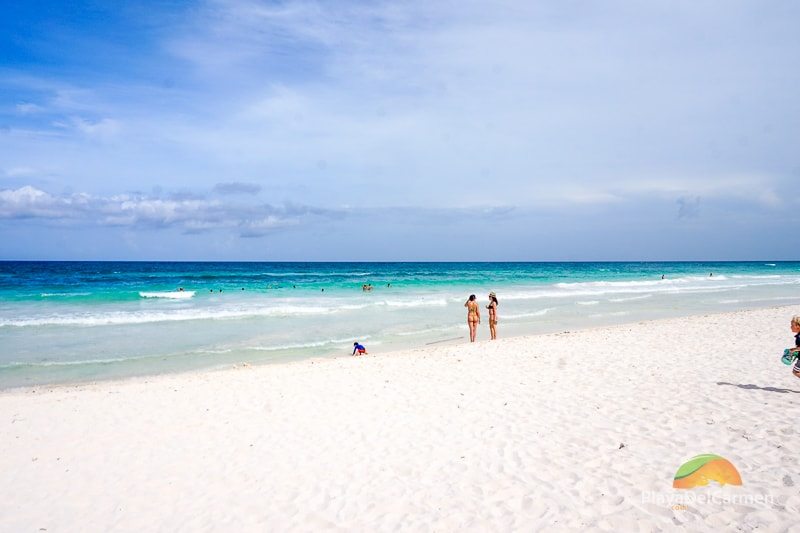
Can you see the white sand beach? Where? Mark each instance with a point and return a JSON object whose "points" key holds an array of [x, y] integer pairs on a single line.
{"points": [[578, 431]]}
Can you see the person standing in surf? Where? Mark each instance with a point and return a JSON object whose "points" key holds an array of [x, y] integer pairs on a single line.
{"points": [[473, 316], [492, 307]]}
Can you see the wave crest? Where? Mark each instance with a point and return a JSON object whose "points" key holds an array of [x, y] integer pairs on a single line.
{"points": [[173, 295]]}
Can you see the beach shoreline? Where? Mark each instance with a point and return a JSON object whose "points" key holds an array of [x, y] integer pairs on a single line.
{"points": [[577, 430], [450, 342], [79, 322]]}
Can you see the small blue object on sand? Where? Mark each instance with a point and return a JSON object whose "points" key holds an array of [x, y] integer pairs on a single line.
{"points": [[788, 356]]}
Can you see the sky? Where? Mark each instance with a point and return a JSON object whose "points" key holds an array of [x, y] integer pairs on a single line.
{"points": [[399, 131]]}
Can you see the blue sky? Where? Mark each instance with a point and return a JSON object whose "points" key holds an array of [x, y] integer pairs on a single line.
{"points": [[248, 130]]}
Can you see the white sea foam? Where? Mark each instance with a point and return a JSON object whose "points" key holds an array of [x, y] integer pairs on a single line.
{"points": [[311, 274], [178, 315], [296, 346], [311, 344], [354, 307], [773, 299], [16, 364], [639, 283], [356, 303], [441, 302], [631, 298], [426, 331], [65, 294], [174, 295], [614, 313], [540, 312], [124, 318], [688, 284], [104, 361], [583, 293], [352, 338]]}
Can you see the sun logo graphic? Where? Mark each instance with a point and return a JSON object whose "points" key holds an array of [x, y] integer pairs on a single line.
{"points": [[699, 471]]}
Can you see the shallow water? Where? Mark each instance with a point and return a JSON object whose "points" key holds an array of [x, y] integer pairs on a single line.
{"points": [[72, 321]]}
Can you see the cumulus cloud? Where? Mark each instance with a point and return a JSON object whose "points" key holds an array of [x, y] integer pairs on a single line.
{"points": [[196, 214], [29, 202], [237, 188], [431, 106], [191, 214]]}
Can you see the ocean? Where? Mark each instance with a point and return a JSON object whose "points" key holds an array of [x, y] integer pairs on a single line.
{"points": [[64, 322]]}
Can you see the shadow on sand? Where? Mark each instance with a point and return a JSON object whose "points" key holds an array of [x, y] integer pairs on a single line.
{"points": [[750, 386]]}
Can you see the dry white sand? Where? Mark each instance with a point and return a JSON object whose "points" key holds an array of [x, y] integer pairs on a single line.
{"points": [[518, 434]]}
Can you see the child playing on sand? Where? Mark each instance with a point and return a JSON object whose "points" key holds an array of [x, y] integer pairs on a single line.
{"points": [[359, 348], [796, 330]]}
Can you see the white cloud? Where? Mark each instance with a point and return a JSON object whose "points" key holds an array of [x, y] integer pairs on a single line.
{"points": [[237, 188], [101, 129], [19, 172], [769, 198], [193, 214], [753, 188], [133, 210], [439, 105], [29, 202], [585, 195], [29, 108]]}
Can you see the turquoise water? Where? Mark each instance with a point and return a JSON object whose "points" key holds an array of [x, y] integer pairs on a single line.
{"points": [[75, 321]]}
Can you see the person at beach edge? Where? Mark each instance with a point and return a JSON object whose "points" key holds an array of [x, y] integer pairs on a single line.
{"points": [[359, 348], [796, 330], [492, 307], [473, 316]]}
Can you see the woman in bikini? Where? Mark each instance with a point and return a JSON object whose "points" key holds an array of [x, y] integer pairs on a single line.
{"points": [[473, 316], [492, 307]]}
